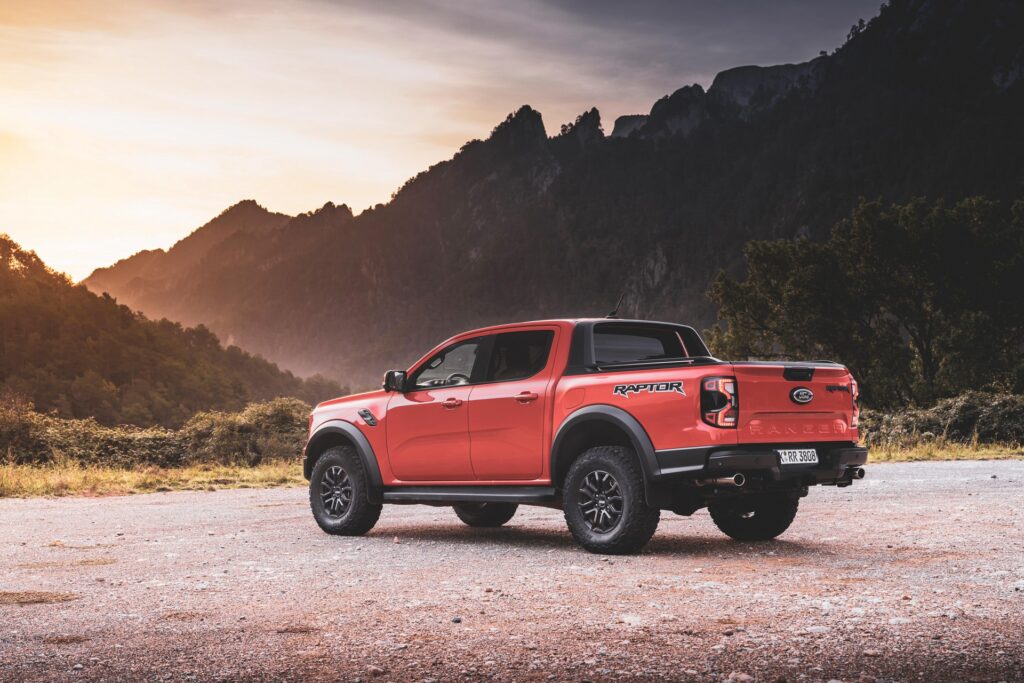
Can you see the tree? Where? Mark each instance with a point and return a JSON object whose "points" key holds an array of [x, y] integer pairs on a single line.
{"points": [[82, 355], [93, 396], [920, 300]]}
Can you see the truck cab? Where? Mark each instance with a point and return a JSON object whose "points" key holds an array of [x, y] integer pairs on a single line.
{"points": [[611, 420]]}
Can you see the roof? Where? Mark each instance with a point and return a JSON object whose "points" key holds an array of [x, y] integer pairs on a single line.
{"points": [[562, 321]]}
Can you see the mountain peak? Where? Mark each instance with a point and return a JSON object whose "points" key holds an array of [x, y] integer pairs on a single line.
{"points": [[678, 113], [245, 217], [586, 128], [242, 208], [625, 125], [331, 210], [762, 86], [523, 126]]}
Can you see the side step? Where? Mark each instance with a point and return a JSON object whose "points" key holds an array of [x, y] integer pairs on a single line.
{"points": [[470, 494]]}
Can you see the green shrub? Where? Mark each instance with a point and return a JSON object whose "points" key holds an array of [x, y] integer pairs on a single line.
{"points": [[274, 430], [21, 430], [972, 417]]}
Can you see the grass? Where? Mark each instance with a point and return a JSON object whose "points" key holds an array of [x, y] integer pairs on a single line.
{"points": [[939, 449], [34, 598], [69, 478]]}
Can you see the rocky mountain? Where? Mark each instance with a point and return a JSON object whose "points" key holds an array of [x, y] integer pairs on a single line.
{"points": [[926, 99], [77, 354], [144, 278]]}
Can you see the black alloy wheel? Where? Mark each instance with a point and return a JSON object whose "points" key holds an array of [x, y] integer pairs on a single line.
{"points": [[339, 493], [336, 491], [600, 501], [604, 501]]}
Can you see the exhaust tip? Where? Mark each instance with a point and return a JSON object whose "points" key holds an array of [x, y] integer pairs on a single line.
{"points": [[857, 473], [736, 480]]}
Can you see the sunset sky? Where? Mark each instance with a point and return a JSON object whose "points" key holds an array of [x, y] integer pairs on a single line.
{"points": [[125, 125]]}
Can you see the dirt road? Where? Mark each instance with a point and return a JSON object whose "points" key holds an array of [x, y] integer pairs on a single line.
{"points": [[917, 573]]}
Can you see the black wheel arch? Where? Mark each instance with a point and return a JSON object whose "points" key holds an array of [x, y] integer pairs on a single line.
{"points": [[603, 425], [341, 433]]}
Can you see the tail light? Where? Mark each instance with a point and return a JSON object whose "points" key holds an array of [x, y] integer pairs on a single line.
{"points": [[309, 430], [719, 402], [855, 392]]}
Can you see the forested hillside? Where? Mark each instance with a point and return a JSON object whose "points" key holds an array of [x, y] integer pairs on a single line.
{"points": [[921, 301], [925, 100], [81, 355]]}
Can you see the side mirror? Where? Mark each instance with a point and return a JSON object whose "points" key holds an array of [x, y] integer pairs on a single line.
{"points": [[394, 380]]}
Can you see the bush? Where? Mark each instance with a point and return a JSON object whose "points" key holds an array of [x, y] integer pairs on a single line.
{"points": [[274, 430], [20, 428], [972, 417]]}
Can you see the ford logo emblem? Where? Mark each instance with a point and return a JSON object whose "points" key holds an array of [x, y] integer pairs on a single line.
{"points": [[801, 395]]}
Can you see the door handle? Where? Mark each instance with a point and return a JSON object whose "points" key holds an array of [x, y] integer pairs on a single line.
{"points": [[527, 396], [451, 402]]}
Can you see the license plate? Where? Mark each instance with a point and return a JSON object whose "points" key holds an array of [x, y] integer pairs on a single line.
{"points": [[798, 456]]}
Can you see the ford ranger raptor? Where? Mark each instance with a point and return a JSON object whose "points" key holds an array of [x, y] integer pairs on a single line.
{"points": [[609, 420]]}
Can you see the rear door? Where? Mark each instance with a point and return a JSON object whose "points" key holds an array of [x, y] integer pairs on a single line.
{"points": [[802, 403], [507, 410]]}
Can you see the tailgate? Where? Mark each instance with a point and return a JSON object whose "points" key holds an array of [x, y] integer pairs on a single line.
{"points": [[794, 402]]}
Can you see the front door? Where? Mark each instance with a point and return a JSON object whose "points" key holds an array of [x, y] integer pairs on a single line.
{"points": [[506, 418], [428, 426]]}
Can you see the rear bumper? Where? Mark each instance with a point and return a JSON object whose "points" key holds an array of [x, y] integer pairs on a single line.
{"points": [[835, 460]]}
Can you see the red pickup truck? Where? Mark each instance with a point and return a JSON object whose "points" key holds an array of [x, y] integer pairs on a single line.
{"points": [[610, 420]]}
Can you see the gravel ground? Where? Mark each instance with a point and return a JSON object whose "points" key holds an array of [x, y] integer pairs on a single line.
{"points": [[916, 573]]}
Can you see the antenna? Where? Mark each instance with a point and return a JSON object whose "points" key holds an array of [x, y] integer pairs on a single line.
{"points": [[615, 311]]}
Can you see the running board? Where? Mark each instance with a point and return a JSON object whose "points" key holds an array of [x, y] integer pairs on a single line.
{"points": [[470, 494]]}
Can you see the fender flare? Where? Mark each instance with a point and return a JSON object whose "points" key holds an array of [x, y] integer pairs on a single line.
{"points": [[362, 447], [618, 417]]}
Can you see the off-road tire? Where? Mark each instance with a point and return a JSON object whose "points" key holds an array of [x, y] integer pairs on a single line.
{"points": [[636, 522], [359, 515], [485, 514], [757, 519]]}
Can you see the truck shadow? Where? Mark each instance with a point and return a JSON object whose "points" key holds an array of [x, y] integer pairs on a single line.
{"points": [[664, 543]]}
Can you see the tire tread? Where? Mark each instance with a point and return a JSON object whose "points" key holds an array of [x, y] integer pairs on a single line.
{"points": [[639, 521], [363, 514], [485, 516], [771, 518]]}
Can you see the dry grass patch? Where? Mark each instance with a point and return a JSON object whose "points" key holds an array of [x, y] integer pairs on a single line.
{"points": [[64, 640], [181, 616], [297, 629], [65, 546], [69, 478], [939, 449], [34, 597], [91, 562]]}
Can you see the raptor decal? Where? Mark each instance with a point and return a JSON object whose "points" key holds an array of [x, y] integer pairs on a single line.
{"points": [[651, 387]]}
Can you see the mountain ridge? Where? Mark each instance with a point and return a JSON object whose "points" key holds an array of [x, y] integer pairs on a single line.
{"points": [[922, 100]]}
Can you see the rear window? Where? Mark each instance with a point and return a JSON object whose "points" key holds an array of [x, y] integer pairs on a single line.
{"points": [[518, 355], [633, 343]]}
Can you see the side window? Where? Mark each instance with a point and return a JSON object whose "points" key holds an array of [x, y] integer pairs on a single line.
{"points": [[450, 367], [518, 355], [630, 344]]}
